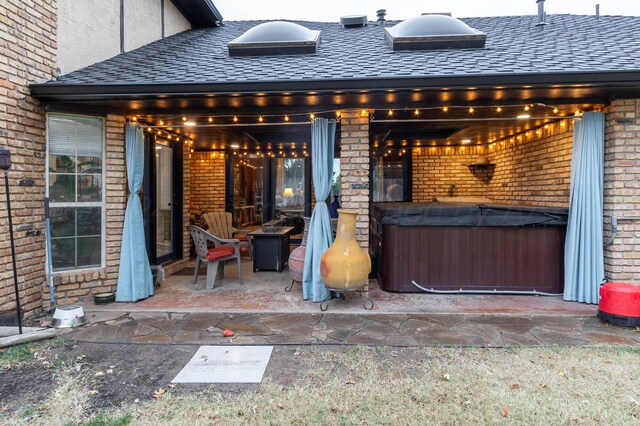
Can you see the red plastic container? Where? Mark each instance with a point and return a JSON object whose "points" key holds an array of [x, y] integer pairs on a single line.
{"points": [[620, 304]]}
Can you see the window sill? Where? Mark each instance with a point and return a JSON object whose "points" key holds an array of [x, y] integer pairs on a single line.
{"points": [[79, 275]]}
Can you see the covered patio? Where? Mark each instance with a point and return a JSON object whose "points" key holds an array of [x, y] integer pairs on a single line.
{"points": [[218, 138]]}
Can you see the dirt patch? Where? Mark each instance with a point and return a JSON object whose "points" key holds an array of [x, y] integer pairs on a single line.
{"points": [[25, 386]]}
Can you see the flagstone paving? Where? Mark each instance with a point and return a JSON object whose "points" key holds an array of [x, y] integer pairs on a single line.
{"points": [[351, 329]]}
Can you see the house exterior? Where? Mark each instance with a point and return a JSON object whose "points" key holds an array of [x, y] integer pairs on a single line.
{"points": [[209, 107]]}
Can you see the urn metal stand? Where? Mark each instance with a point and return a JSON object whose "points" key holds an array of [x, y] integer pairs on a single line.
{"points": [[367, 302]]}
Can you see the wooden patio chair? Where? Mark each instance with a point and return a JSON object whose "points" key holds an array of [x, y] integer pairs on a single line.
{"points": [[224, 249], [220, 224]]}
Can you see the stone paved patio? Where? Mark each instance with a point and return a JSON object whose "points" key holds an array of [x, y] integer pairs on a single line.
{"points": [[351, 329]]}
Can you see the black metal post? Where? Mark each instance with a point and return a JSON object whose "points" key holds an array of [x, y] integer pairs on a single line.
{"points": [[13, 252]]}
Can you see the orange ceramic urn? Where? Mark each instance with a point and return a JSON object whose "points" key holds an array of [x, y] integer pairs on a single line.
{"points": [[344, 265]]}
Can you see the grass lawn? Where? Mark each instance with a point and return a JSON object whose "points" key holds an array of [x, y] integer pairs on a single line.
{"points": [[381, 385]]}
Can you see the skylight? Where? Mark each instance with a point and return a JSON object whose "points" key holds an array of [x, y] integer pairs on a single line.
{"points": [[434, 32], [275, 38]]}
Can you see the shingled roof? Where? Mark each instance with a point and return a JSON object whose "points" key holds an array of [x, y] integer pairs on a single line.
{"points": [[515, 46]]}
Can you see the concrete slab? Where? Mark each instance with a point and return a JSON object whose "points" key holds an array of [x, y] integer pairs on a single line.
{"points": [[263, 292], [226, 364]]}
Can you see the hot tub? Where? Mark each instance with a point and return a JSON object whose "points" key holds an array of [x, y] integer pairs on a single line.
{"points": [[463, 246]]}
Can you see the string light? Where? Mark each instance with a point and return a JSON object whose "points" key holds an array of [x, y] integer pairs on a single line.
{"points": [[392, 113]]}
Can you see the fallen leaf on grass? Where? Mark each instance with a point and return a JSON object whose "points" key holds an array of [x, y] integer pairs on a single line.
{"points": [[446, 377], [562, 374], [171, 386], [109, 371], [349, 382], [99, 373], [92, 392], [514, 386], [157, 394], [81, 357], [505, 411]]}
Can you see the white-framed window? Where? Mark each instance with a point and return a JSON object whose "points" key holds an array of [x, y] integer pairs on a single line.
{"points": [[75, 187]]}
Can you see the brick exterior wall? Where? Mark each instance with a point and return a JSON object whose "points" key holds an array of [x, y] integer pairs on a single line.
{"points": [[354, 172], [207, 182], [27, 55], [533, 168], [73, 286], [186, 204], [622, 190], [354, 169]]}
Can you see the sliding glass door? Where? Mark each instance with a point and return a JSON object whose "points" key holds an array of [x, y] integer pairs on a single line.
{"points": [[162, 198]]}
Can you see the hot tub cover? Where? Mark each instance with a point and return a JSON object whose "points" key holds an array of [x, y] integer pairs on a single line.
{"points": [[462, 214]]}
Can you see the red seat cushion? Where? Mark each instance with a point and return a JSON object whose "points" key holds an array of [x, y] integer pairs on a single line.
{"points": [[219, 253], [242, 238]]}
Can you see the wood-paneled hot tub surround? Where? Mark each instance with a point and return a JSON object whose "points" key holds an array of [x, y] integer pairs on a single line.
{"points": [[467, 246]]}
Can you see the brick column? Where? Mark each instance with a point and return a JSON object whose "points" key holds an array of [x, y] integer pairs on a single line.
{"points": [[354, 171], [186, 201], [622, 189]]}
